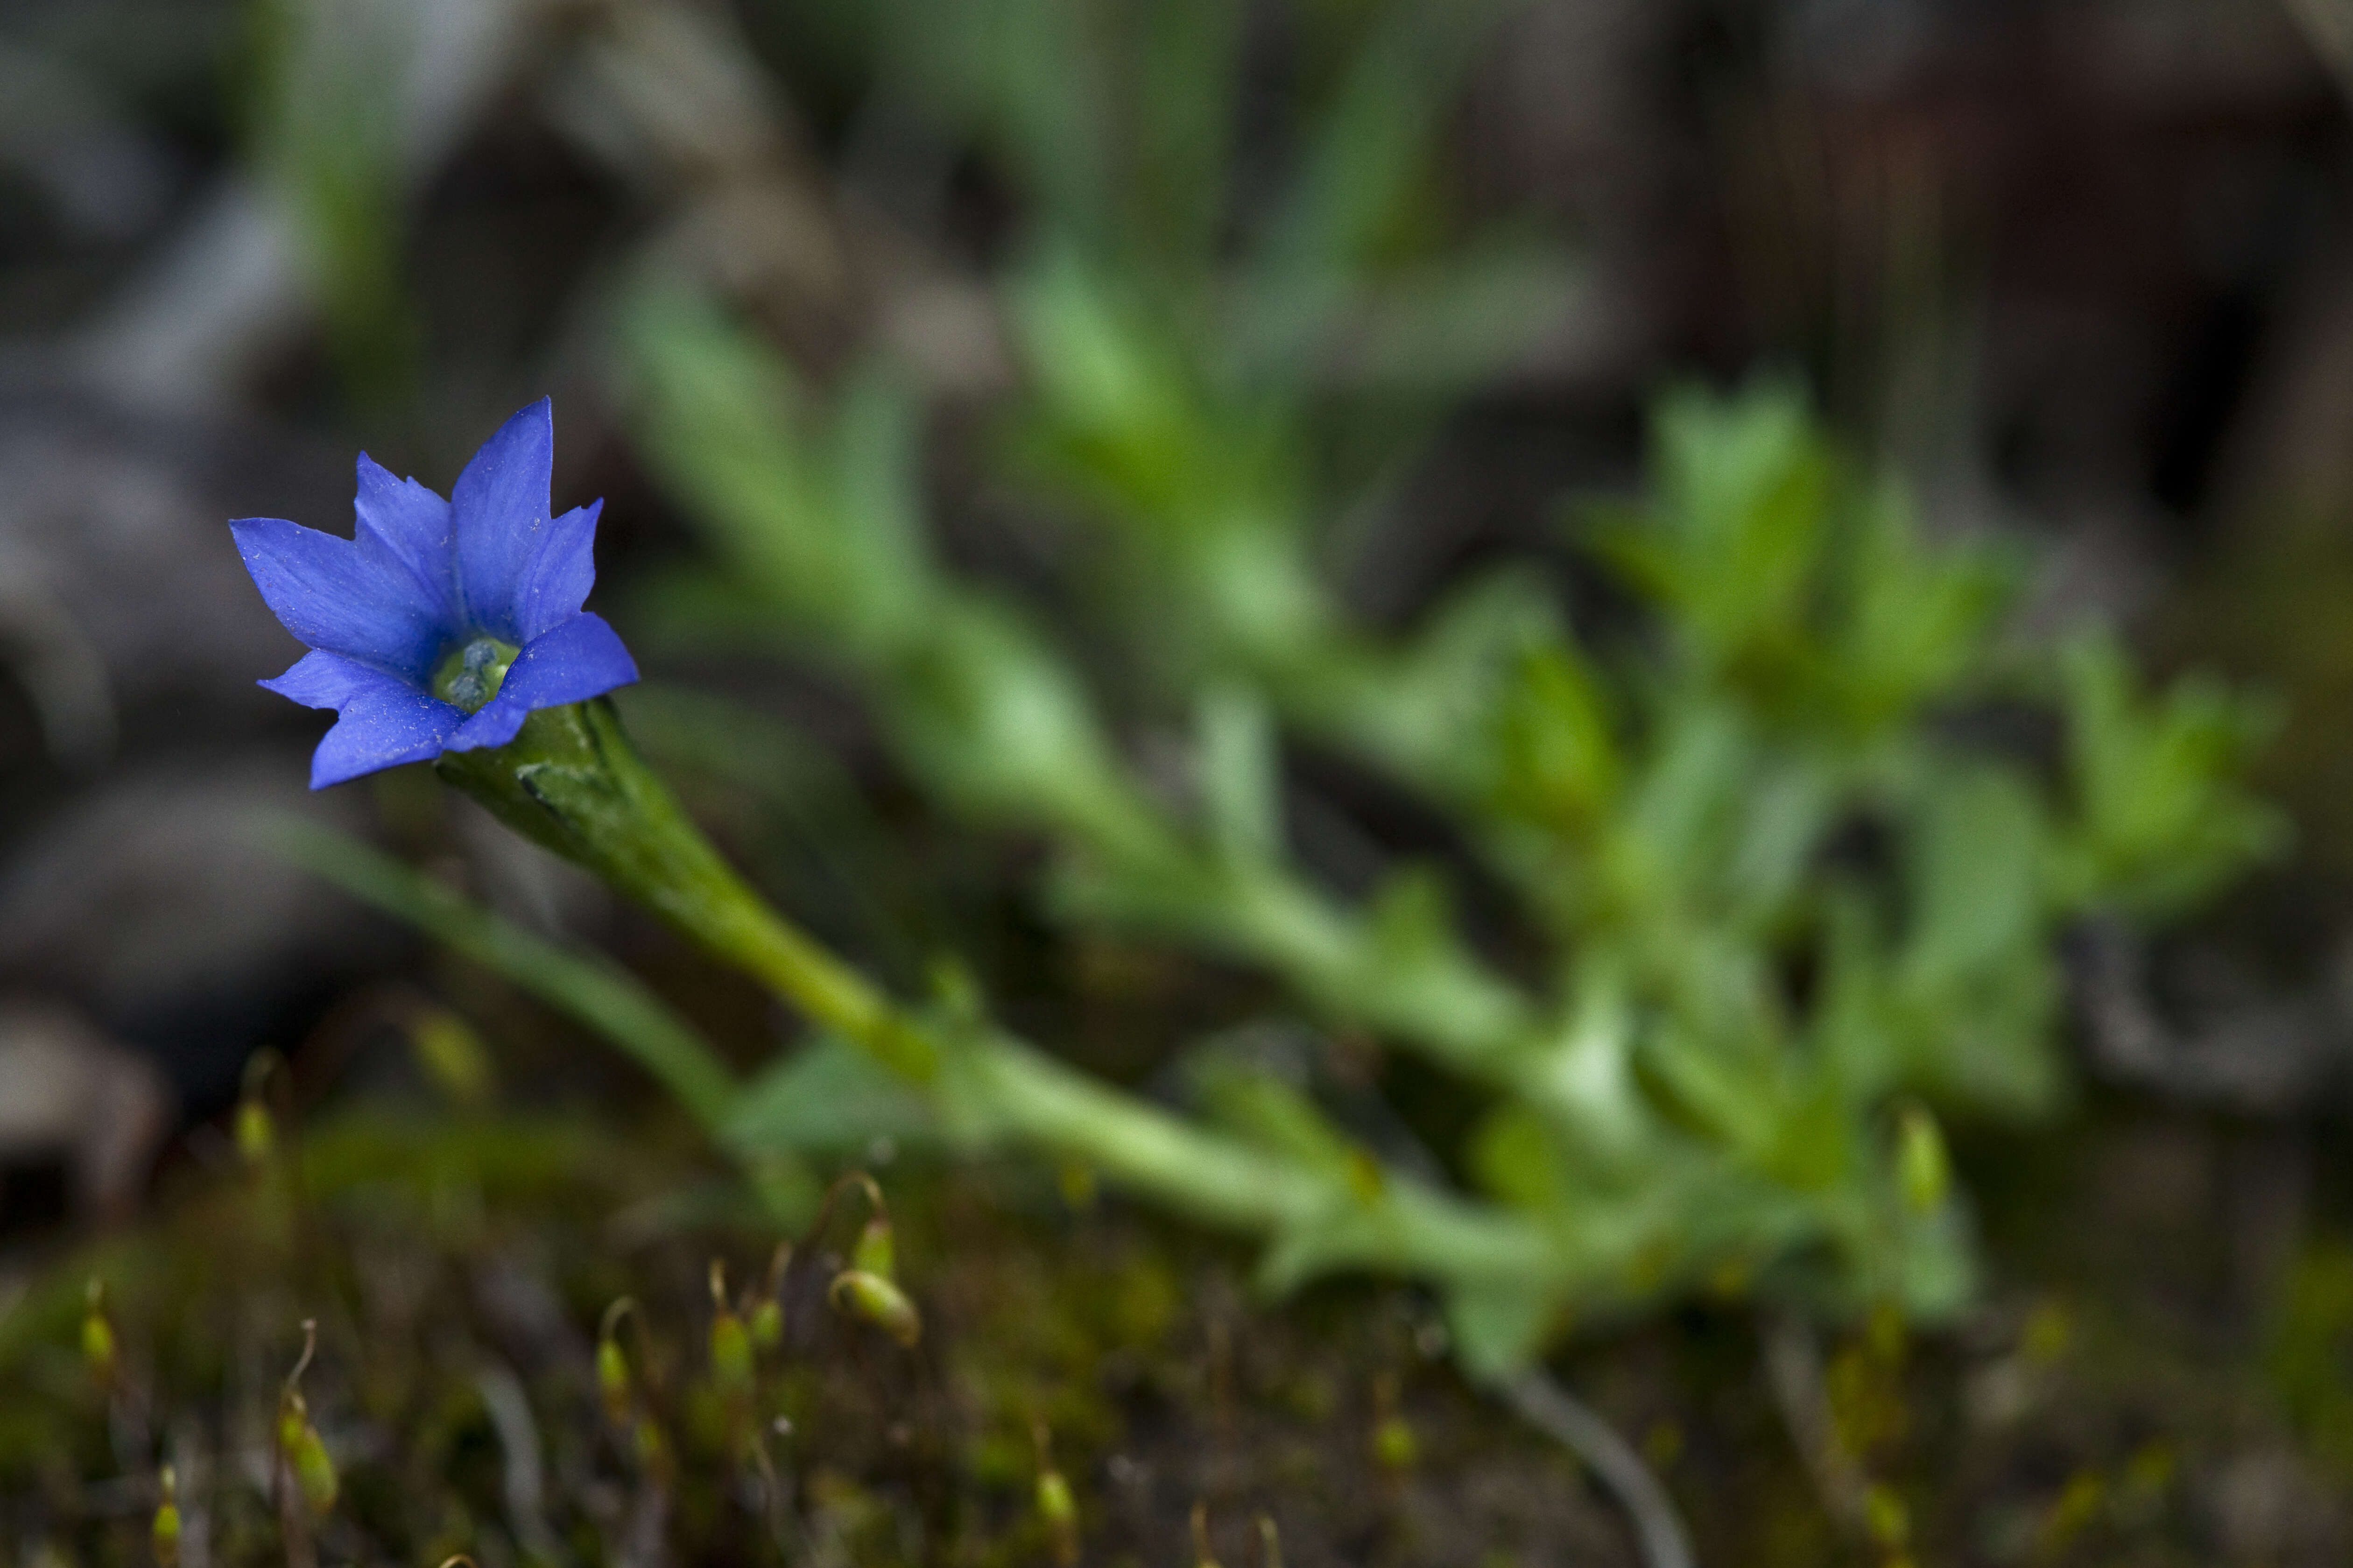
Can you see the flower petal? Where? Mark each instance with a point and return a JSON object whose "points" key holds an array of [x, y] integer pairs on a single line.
{"points": [[383, 721], [556, 579], [336, 599], [404, 531], [582, 658], [500, 508]]}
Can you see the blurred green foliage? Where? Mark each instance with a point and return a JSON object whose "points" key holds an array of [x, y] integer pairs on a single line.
{"points": [[1782, 904], [1776, 910], [322, 107]]}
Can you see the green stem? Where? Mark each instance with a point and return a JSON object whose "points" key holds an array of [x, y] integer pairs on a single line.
{"points": [[1213, 1179], [1402, 1224], [571, 782]]}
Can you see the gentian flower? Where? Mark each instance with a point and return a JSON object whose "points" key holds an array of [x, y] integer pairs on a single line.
{"points": [[444, 624]]}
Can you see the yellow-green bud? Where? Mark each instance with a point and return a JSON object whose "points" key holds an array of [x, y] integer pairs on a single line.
{"points": [[166, 1531], [315, 1470], [730, 1346], [879, 1302], [1884, 1515], [1270, 1544], [100, 1351], [767, 1325], [613, 1380], [255, 1133], [731, 1353], [1202, 1556], [1394, 1447], [877, 1252], [768, 1312], [307, 1457], [1055, 1504], [653, 1450], [1922, 1167], [454, 1058], [1060, 1512]]}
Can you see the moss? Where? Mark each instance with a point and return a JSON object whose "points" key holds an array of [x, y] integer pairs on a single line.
{"points": [[451, 1262]]}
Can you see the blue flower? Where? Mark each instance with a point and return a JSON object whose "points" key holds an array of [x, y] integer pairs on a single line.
{"points": [[445, 623]]}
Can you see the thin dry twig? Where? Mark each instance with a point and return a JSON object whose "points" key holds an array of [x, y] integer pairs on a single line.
{"points": [[2266, 1057], [1567, 1420], [1793, 1368]]}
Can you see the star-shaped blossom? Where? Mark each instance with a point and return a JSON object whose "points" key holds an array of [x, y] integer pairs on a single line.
{"points": [[443, 624]]}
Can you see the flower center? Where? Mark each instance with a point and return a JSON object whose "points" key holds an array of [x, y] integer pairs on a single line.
{"points": [[469, 676]]}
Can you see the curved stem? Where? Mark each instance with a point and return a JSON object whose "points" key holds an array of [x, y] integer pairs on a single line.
{"points": [[1555, 1412], [572, 782]]}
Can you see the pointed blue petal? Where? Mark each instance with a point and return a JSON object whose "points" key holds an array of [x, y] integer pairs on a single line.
{"points": [[403, 532], [499, 506], [383, 721], [581, 659], [556, 579], [335, 599], [324, 681]]}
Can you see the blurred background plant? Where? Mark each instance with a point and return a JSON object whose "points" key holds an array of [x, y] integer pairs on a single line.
{"points": [[1218, 452], [1774, 908]]}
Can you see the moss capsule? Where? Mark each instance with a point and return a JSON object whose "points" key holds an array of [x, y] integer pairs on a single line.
{"points": [[100, 1351], [877, 1252], [878, 1301], [1923, 1169], [164, 1534]]}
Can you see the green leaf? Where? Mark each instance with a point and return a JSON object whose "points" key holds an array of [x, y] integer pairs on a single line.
{"points": [[1582, 1078], [993, 720], [1257, 1106], [1975, 869], [2161, 816], [1371, 150], [1516, 1157], [1498, 1326], [1561, 764], [821, 515], [1917, 623], [1240, 782], [1747, 487], [829, 1098]]}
